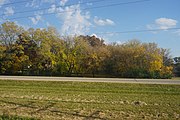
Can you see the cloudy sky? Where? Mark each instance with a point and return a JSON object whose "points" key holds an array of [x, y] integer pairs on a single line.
{"points": [[104, 18]]}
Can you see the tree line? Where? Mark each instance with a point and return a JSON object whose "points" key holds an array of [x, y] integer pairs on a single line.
{"points": [[45, 52]]}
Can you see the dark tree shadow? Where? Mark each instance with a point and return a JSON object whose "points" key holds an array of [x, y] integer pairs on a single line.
{"points": [[28, 105], [45, 108], [94, 115]]}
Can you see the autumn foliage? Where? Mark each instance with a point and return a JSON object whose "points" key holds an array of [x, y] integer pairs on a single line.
{"points": [[45, 52]]}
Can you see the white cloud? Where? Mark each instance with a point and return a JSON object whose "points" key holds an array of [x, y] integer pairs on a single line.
{"points": [[178, 32], [26, 27], [35, 19], [63, 2], [102, 22], [33, 3], [74, 21], [38, 3], [9, 11], [2, 2], [52, 9], [95, 35], [89, 4], [48, 24], [163, 23]]}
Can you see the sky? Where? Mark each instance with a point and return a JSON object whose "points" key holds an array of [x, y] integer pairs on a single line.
{"points": [[106, 19]]}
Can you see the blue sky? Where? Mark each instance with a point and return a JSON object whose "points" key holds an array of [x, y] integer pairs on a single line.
{"points": [[74, 17]]}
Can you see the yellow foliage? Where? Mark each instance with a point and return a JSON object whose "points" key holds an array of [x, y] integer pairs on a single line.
{"points": [[166, 70], [155, 65]]}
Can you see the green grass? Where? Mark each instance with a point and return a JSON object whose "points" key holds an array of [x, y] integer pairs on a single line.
{"points": [[8, 117], [81, 101], [176, 78]]}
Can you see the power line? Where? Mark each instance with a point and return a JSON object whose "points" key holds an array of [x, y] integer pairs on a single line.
{"points": [[6, 4], [103, 6], [46, 8], [118, 4], [139, 31]]}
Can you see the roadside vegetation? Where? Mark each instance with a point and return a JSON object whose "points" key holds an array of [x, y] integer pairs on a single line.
{"points": [[79, 101], [45, 52], [176, 78]]}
